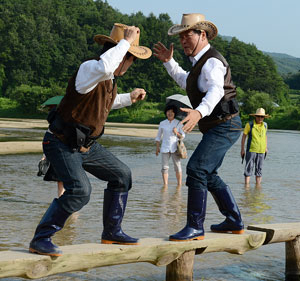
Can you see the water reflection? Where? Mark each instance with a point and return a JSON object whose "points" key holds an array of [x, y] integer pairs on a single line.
{"points": [[68, 234], [254, 202], [172, 208], [154, 212]]}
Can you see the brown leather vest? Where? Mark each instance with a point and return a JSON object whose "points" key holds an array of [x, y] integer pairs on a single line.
{"points": [[218, 115], [90, 109]]}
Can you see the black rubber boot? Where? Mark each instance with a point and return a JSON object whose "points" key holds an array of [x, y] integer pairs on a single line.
{"points": [[113, 211], [228, 207], [53, 221], [196, 210]]}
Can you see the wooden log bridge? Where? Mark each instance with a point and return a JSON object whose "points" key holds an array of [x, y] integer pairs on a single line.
{"points": [[178, 257]]}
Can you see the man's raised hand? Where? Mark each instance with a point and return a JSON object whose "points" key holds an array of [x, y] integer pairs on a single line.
{"points": [[162, 52], [130, 33]]}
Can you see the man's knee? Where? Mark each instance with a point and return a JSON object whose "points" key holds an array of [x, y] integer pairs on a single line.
{"points": [[125, 178], [73, 200], [195, 172], [214, 183], [81, 191], [196, 178]]}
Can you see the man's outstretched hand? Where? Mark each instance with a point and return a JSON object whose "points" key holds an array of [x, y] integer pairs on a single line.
{"points": [[137, 95], [191, 120], [162, 52]]}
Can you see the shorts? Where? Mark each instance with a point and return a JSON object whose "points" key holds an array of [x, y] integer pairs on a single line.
{"points": [[254, 160], [165, 162]]}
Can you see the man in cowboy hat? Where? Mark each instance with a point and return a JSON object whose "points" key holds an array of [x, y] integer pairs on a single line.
{"points": [[70, 144], [212, 94], [257, 146]]}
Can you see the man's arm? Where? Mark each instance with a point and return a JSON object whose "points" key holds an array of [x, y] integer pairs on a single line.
{"points": [[128, 99], [212, 74], [92, 72]]}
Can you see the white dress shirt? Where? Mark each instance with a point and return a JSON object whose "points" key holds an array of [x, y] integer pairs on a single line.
{"points": [[92, 72], [210, 80], [169, 139]]}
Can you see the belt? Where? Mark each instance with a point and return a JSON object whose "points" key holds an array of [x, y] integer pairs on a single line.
{"points": [[62, 138], [228, 117], [205, 126], [84, 149]]}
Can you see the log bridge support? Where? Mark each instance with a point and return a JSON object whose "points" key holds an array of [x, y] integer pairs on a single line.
{"points": [[178, 257]]}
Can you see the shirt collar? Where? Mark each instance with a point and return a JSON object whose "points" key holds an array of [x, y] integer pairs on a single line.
{"points": [[199, 55]]}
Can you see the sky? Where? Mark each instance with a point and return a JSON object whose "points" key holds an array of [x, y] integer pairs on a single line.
{"points": [[271, 25]]}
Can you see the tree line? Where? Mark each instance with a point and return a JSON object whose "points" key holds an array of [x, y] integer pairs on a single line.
{"points": [[43, 42]]}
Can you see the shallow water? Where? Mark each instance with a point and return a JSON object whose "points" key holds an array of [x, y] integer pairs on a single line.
{"points": [[152, 212]]}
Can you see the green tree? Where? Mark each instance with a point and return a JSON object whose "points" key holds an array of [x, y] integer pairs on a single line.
{"points": [[30, 98], [251, 100], [42, 43], [293, 80]]}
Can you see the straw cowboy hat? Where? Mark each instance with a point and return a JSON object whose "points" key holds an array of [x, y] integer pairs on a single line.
{"points": [[117, 34], [260, 112], [194, 21]]}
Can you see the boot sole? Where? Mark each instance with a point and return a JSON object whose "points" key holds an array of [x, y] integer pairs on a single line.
{"points": [[230, 231], [196, 238], [45, 254], [119, 243]]}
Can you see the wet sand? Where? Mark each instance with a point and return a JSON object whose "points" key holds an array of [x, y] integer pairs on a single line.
{"points": [[15, 147]]}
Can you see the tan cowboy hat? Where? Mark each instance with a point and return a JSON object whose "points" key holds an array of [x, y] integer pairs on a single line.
{"points": [[260, 112], [117, 34], [194, 21]]}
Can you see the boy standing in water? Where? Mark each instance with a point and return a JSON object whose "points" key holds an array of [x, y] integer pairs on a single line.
{"points": [[257, 149]]}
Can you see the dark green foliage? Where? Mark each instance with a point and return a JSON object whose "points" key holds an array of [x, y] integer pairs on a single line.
{"points": [[31, 97], [143, 112], [252, 70], [293, 80], [42, 43], [287, 117]]}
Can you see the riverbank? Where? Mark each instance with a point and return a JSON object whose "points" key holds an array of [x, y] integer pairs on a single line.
{"points": [[16, 147]]}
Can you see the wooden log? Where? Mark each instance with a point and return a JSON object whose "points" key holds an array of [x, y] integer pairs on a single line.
{"points": [[292, 260], [182, 268], [159, 252], [281, 232]]}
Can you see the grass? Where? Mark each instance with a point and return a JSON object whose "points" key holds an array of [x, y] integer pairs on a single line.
{"points": [[153, 112], [11, 109]]}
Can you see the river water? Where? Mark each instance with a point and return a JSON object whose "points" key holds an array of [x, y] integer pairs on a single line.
{"points": [[153, 212]]}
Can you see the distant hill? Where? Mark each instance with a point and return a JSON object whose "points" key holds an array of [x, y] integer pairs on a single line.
{"points": [[285, 63]]}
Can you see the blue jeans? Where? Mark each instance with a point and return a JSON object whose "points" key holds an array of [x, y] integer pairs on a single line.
{"points": [[202, 168], [70, 168]]}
